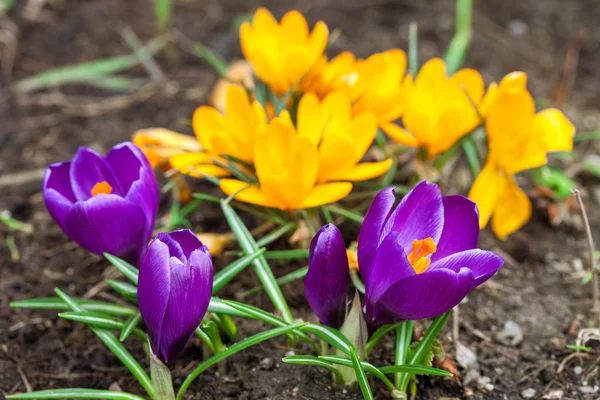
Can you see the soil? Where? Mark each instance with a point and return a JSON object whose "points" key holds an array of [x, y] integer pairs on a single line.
{"points": [[539, 288]]}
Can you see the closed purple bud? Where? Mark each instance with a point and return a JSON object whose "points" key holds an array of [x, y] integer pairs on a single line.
{"points": [[174, 290], [105, 204]]}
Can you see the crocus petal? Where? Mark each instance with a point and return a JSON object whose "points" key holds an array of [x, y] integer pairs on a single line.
{"points": [[512, 211], [483, 264], [197, 164], [137, 179], [364, 171], [377, 215], [181, 243], [89, 168], [191, 287], [158, 144], [486, 190], [389, 266], [108, 223], [461, 227], [419, 215], [328, 279], [428, 294], [326, 193], [399, 135], [58, 195], [556, 130], [154, 284], [246, 192]]}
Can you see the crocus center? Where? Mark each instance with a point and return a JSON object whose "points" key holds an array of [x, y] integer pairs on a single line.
{"points": [[419, 256], [101, 188]]}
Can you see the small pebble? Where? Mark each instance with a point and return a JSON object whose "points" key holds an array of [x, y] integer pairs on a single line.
{"points": [[588, 389], [489, 387], [546, 375], [471, 376], [577, 370], [511, 335], [267, 363], [290, 353], [517, 28], [528, 393]]}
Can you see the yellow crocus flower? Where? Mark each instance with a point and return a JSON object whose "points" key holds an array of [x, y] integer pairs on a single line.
{"points": [[158, 144], [342, 138], [518, 139], [282, 53], [438, 109], [287, 168], [231, 134]]}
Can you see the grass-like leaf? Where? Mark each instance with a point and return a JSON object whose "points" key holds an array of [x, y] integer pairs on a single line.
{"points": [[129, 271], [129, 326], [330, 336], [224, 276], [288, 278], [316, 362], [414, 370], [367, 367], [265, 275], [52, 303], [116, 347], [361, 377], [74, 394], [237, 347], [127, 290]]}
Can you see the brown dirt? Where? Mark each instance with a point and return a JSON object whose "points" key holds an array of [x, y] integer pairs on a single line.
{"points": [[539, 288]]}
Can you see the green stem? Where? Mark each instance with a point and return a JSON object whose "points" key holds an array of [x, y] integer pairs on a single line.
{"points": [[404, 333]]}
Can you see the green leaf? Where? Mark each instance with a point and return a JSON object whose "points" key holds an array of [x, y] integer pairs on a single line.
{"points": [[162, 8], [377, 335], [292, 254], [461, 41], [86, 71], [217, 306], [224, 276], [585, 349], [212, 330], [470, 149], [413, 49], [314, 361], [237, 347], [367, 367], [74, 394], [351, 215], [361, 377], [404, 334], [226, 325], [414, 370], [265, 275], [276, 234], [216, 62], [129, 271], [206, 339], [161, 378], [125, 289], [586, 136], [129, 326], [330, 336], [260, 315], [52, 303], [116, 347], [284, 280]]}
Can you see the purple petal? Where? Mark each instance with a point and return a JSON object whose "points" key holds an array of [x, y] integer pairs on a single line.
{"points": [[181, 243], [483, 264], [461, 227], [370, 232], [419, 215], [108, 223], [328, 279], [58, 195], [389, 266], [191, 287], [153, 290], [89, 168], [428, 294], [137, 178]]}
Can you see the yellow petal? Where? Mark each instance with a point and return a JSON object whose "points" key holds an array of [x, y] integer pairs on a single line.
{"points": [[207, 122], [159, 144], [514, 82], [470, 81], [363, 130], [513, 210], [197, 164], [488, 99], [337, 156], [245, 192], [399, 135], [325, 194], [239, 72], [317, 41], [365, 171], [556, 130], [216, 242], [310, 120], [294, 29], [486, 191], [430, 74]]}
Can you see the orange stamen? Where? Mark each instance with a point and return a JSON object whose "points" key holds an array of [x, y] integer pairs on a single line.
{"points": [[352, 259], [101, 188], [418, 257]]}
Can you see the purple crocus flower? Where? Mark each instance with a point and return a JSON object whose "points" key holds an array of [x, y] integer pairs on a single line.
{"points": [[418, 259], [174, 289], [105, 204]]}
